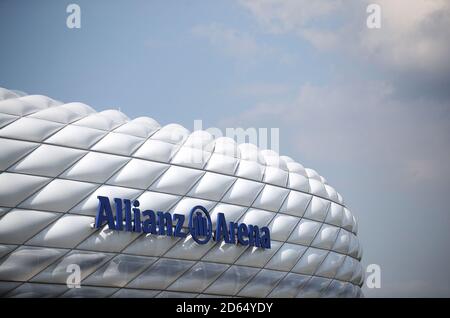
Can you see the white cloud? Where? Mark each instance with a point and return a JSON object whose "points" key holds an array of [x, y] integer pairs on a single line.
{"points": [[361, 122], [414, 33]]}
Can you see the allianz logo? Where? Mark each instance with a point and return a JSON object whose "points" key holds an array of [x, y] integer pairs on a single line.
{"points": [[130, 218]]}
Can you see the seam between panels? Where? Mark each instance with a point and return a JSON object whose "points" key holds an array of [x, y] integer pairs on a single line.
{"points": [[327, 253], [111, 254], [162, 192], [120, 167], [141, 234], [195, 262], [308, 247], [248, 247], [62, 214], [301, 255], [167, 193], [198, 261], [178, 200], [237, 258], [174, 164], [178, 241], [260, 269], [73, 122]]}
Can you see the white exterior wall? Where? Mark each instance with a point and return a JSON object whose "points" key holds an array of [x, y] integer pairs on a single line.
{"points": [[56, 158]]}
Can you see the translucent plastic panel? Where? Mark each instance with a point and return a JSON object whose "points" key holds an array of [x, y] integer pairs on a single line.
{"points": [[6, 287], [30, 129], [224, 253], [161, 274], [212, 186], [13, 150], [250, 169], [139, 127], [30, 290], [232, 212], [200, 276], [262, 284], [187, 248], [290, 286], [119, 270], [177, 180], [95, 167], [353, 246], [286, 257], [345, 271], [231, 282], [157, 201], [3, 211], [243, 192], [48, 160], [317, 209], [222, 164], [172, 133], [314, 287], [276, 176], [347, 221], [298, 182], [326, 237], [26, 105], [105, 120], [358, 274], [138, 174], [27, 261], [89, 292], [226, 146], [75, 136], [168, 294], [151, 245], [119, 144], [68, 232], [19, 225], [335, 214], [318, 188], [282, 226], [108, 240], [332, 194], [135, 293], [14, 188], [296, 203], [271, 198], [185, 205], [64, 114], [258, 257], [89, 205], [5, 249], [88, 262], [191, 157], [257, 217], [59, 195], [304, 232], [336, 289], [310, 261], [330, 265], [156, 150]]}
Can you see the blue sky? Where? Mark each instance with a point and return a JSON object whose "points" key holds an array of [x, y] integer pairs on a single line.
{"points": [[368, 109]]}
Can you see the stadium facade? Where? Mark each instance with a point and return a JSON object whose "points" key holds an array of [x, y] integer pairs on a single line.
{"points": [[57, 159]]}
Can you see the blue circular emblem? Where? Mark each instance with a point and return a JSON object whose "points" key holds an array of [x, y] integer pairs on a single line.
{"points": [[200, 224]]}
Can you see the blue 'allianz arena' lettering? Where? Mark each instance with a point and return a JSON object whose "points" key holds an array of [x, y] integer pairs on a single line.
{"points": [[129, 217]]}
